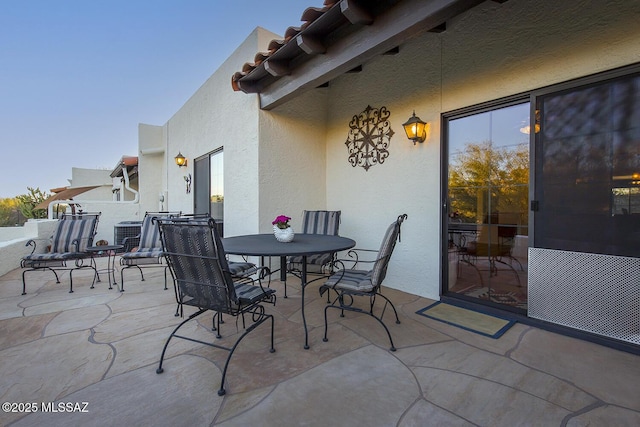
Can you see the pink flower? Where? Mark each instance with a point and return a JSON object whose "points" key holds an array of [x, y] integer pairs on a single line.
{"points": [[281, 221]]}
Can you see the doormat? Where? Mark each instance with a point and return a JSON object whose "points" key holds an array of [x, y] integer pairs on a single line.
{"points": [[470, 320]]}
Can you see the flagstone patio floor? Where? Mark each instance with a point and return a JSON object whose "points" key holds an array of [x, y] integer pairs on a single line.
{"points": [[95, 351]]}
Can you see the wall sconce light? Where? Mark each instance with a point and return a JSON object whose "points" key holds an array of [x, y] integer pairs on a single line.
{"points": [[415, 129], [187, 180], [181, 160]]}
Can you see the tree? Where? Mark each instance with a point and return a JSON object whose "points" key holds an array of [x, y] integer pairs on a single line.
{"points": [[487, 179], [9, 213], [28, 202]]}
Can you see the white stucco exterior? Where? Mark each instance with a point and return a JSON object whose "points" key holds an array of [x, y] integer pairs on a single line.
{"points": [[293, 157], [493, 51]]}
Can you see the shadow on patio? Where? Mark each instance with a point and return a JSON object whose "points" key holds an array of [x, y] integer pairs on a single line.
{"points": [[101, 347]]}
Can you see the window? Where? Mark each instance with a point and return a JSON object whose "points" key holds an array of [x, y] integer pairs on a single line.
{"points": [[588, 168], [209, 185], [487, 179]]}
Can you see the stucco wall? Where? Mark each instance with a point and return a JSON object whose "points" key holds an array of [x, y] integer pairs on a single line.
{"points": [[294, 157], [41, 230], [499, 50], [152, 162], [13, 250], [493, 51], [293, 160], [407, 181], [216, 117]]}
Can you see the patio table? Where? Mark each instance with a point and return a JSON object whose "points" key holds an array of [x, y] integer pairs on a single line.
{"points": [[302, 245], [110, 251]]}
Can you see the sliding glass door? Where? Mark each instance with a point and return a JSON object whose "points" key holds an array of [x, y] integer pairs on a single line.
{"points": [[488, 204], [209, 186]]}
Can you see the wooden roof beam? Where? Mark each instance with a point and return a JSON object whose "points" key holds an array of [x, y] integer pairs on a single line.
{"points": [[354, 13], [310, 45], [277, 68], [404, 21]]}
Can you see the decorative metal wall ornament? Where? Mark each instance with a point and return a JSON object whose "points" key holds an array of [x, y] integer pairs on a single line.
{"points": [[369, 137]]}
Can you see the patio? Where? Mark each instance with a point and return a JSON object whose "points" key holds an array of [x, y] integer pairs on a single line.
{"points": [[101, 347]]}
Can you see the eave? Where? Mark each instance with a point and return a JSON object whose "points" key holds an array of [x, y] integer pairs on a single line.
{"points": [[338, 40]]}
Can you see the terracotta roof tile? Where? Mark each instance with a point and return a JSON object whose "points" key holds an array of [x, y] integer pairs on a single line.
{"points": [[320, 22], [275, 45], [291, 32], [310, 15], [313, 13]]}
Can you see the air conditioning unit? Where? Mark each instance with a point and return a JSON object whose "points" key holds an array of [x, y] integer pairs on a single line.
{"points": [[125, 229]]}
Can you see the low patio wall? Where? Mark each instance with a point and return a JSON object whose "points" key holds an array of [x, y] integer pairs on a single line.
{"points": [[13, 241], [10, 233], [11, 251]]}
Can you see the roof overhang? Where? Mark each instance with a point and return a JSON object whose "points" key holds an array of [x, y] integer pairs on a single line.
{"points": [[66, 194], [338, 40], [128, 162]]}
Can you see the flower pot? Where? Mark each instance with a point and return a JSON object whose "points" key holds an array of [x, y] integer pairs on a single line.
{"points": [[284, 235]]}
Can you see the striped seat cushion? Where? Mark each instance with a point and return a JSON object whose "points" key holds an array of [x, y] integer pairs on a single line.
{"points": [[51, 256], [321, 222], [142, 256], [73, 235], [237, 268], [317, 222], [47, 260], [317, 259], [349, 280], [150, 233], [248, 294]]}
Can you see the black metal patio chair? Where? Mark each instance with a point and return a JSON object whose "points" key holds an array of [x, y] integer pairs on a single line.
{"points": [[67, 249], [350, 283], [316, 222], [199, 268], [145, 249], [241, 271], [493, 244]]}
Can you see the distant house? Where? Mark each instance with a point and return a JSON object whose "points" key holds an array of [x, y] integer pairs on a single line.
{"points": [[84, 185], [112, 193], [524, 195]]}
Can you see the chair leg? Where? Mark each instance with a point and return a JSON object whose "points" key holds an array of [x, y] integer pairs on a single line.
{"points": [[141, 275], [24, 284], [55, 273], [388, 302], [96, 275], [71, 281], [122, 277], [222, 391], [166, 344], [343, 307], [217, 316]]}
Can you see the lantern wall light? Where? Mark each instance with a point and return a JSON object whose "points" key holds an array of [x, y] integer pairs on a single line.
{"points": [[181, 160], [416, 129]]}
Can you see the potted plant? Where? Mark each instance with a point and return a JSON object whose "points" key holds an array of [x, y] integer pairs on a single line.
{"points": [[281, 229]]}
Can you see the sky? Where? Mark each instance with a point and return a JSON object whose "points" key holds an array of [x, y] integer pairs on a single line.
{"points": [[78, 76]]}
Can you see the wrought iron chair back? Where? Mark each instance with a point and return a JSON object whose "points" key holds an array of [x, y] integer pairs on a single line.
{"points": [[193, 256], [316, 222], [147, 245], [74, 233], [198, 265], [348, 283], [321, 222], [392, 235]]}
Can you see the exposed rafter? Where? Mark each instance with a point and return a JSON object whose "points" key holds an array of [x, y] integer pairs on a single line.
{"points": [[338, 39], [354, 13]]}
